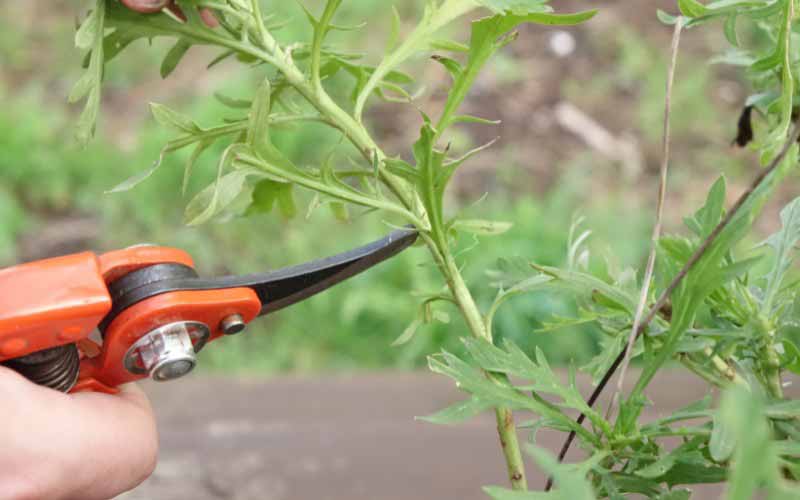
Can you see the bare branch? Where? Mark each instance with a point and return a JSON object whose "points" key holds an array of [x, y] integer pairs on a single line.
{"points": [[662, 191]]}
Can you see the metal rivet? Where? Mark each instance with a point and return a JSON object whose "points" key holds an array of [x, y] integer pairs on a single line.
{"points": [[233, 324], [168, 352]]}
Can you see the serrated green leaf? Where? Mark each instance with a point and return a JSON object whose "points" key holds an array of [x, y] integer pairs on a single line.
{"points": [[215, 198], [708, 216], [401, 168], [394, 32], [692, 8], [473, 119], [570, 480], [451, 65], [174, 56], [723, 439], [783, 244], [135, 179], [788, 409], [201, 146], [171, 118], [434, 17], [265, 195], [665, 18], [730, 30], [258, 120], [754, 460], [115, 42], [709, 273], [81, 88], [658, 468], [89, 30], [682, 473], [582, 282], [339, 211], [448, 45], [790, 360], [233, 103], [481, 227], [485, 40], [408, 334], [90, 36], [457, 413], [512, 361], [518, 7], [498, 393], [286, 202], [610, 347]]}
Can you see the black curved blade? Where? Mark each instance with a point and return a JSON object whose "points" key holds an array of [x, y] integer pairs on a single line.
{"points": [[284, 287], [275, 289]]}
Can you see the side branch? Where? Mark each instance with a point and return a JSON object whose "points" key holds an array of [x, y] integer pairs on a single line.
{"points": [[696, 256]]}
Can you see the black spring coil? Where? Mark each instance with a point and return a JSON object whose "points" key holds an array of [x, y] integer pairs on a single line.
{"points": [[56, 367]]}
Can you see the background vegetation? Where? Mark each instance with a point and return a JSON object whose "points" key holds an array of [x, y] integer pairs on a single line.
{"points": [[548, 169]]}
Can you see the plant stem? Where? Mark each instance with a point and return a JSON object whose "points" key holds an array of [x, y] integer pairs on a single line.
{"points": [[508, 441], [769, 359], [360, 137], [506, 429]]}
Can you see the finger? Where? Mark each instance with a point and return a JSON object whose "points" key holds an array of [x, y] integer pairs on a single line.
{"points": [[205, 14], [208, 18], [146, 6], [120, 443], [86, 446]]}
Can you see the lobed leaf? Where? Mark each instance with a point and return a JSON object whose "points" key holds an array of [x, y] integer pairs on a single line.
{"points": [[174, 56], [783, 244]]}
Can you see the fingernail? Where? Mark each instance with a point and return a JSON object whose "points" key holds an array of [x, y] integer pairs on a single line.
{"points": [[145, 6]]}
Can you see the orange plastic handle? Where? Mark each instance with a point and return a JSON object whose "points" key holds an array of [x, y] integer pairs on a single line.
{"points": [[49, 303], [207, 306], [62, 300]]}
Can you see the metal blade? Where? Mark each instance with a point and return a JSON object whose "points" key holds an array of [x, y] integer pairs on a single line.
{"points": [[275, 289], [284, 287]]}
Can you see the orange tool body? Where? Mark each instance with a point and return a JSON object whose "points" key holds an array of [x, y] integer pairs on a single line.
{"points": [[87, 322]]}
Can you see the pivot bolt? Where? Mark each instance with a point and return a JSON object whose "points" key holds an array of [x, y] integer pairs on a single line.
{"points": [[168, 352], [233, 324]]}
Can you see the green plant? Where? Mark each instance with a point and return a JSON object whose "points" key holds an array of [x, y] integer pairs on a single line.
{"points": [[713, 309]]}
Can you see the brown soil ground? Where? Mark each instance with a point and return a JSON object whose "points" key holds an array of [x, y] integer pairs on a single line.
{"points": [[338, 438]]}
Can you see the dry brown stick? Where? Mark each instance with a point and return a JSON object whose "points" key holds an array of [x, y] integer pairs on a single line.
{"points": [[665, 295], [662, 191]]}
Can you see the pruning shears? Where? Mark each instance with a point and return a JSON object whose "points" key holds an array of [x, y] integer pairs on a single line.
{"points": [[88, 322]]}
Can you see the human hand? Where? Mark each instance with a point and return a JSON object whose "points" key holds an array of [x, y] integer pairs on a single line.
{"points": [[84, 446], [151, 6]]}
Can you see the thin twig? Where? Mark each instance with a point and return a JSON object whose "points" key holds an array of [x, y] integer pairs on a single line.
{"points": [[665, 295], [662, 191]]}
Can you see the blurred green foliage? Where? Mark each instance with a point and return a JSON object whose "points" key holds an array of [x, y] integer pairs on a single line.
{"points": [[352, 326], [43, 175]]}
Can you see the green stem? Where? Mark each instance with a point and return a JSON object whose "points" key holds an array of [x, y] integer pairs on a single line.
{"points": [[769, 360], [358, 135], [510, 444], [433, 20], [506, 429]]}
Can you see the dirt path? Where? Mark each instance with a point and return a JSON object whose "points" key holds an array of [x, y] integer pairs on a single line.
{"points": [[333, 438]]}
